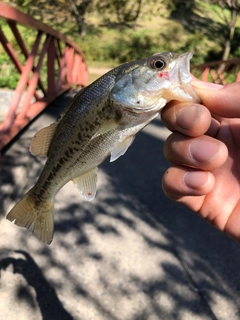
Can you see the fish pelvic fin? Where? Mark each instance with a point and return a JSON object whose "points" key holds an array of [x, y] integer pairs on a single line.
{"points": [[27, 213]]}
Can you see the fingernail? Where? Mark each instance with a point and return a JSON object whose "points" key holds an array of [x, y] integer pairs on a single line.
{"points": [[195, 180], [188, 116], [206, 85], [202, 150]]}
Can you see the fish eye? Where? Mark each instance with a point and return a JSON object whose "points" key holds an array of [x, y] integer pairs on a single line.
{"points": [[157, 63]]}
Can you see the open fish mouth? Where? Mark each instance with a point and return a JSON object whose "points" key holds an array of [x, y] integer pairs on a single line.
{"points": [[180, 73], [184, 67], [180, 77]]}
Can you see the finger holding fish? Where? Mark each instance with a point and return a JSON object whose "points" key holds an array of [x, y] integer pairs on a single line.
{"points": [[191, 119]]}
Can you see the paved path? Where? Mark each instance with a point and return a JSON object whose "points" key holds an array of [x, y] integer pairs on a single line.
{"points": [[131, 254]]}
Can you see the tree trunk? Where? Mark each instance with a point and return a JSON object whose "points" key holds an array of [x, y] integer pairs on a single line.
{"points": [[79, 12], [231, 29]]}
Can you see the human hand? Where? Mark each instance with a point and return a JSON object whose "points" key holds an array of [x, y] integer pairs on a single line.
{"points": [[204, 149]]}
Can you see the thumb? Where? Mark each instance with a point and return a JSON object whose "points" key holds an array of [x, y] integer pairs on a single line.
{"points": [[223, 101]]}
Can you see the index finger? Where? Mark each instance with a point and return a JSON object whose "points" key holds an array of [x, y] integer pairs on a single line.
{"points": [[221, 100]]}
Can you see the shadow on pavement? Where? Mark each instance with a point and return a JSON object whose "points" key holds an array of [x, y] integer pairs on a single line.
{"points": [[48, 302], [210, 259]]}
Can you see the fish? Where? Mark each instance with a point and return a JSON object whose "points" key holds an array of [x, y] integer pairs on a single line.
{"points": [[102, 120]]}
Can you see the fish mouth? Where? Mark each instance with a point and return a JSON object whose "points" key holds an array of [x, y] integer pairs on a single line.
{"points": [[180, 72], [184, 67], [180, 76]]}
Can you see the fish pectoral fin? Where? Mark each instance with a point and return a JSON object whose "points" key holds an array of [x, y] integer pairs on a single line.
{"points": [[121, 148], [40, 142], [86, 184], [106, 127]]}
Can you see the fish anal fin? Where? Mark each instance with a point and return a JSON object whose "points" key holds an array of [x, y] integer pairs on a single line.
{"points": [[121, 148], [40, 142], [86, 184]]}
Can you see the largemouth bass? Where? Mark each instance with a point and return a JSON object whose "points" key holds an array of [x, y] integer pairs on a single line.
{"points": [[101, 120]]}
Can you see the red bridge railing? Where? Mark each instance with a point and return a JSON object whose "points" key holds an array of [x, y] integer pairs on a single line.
{"points": [[64, 63], [221, 72]]}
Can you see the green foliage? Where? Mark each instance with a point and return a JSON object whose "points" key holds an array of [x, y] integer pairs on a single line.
{"points": [[130, 46], [93, 50], [8, 74], [215, 19], [120, 12], [108, 36]]}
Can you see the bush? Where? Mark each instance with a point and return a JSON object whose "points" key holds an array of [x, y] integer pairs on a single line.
{"points": [[8, 73], [131, 45]]}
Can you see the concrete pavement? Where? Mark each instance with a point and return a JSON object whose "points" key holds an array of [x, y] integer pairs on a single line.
{"points": [[131, 254]]}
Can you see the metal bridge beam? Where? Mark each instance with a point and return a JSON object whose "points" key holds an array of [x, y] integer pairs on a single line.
{"points": [[220, 72], [64, 62]]}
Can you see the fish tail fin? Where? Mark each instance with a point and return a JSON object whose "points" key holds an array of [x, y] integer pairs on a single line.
{"points": [[27, 212]]}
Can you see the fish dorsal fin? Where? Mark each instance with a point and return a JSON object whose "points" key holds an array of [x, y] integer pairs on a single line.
{"points": [[121, 148], [86, 184], [40, 142], [106, 127]]}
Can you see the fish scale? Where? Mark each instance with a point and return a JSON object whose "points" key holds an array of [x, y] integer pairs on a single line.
{"points": [[101, 120]]}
